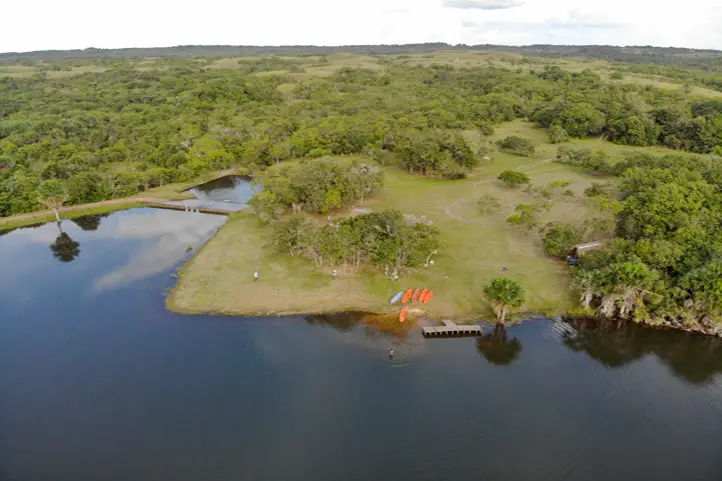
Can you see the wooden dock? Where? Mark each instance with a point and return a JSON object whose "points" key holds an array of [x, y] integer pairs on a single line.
{"points": [[452, 329], [202, 210]]}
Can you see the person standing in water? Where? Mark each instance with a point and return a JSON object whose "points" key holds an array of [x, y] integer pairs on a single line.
{"points": [[391, 353]]}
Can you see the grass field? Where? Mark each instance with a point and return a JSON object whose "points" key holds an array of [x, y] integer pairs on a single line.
{"points": [[475, 248]]}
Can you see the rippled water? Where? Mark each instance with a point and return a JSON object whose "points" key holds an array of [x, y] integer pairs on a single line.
{"points": [[99, 381]]}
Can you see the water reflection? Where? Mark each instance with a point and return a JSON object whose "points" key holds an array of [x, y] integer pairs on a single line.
{"points": [[693, 357], [65, 249], [89, 223], [232, 188], [498, 348], [374, 325], [175, 234], [375, 333], [230, 193]]}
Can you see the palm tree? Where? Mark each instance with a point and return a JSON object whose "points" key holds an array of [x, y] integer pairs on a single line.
{"points": [[52, 195], [504, 294], [626, 284], [586, 282], [497, 348]]}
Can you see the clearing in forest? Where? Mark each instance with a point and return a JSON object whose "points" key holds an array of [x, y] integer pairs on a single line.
{"points": [[476, 247]]}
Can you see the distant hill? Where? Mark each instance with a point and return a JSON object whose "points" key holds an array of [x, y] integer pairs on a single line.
{"points": [[636, 54]]}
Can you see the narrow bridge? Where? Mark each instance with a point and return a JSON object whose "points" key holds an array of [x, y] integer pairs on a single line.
{"points": [[202, 210]]}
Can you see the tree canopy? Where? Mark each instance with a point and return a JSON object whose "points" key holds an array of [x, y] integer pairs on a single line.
{"points": [[504, 294], [123, 130], [386, 240], [663, 266]]}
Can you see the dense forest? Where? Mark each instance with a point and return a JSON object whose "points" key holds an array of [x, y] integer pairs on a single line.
{"points": [[665, 262], [111, 134]]}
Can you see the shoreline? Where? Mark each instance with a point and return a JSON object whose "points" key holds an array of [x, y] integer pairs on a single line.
{"points": [[71, 212], [176, 191], [171, 303], [516, 318]]}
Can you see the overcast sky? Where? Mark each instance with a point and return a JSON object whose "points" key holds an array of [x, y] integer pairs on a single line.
{"points": [[69, 24]]}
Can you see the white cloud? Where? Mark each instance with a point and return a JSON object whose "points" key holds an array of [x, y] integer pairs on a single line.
{"points": [[482, 4], [147, 23]]}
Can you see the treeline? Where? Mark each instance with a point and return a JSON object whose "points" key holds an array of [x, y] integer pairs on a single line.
{"points": [[111, 134], [316, 185], [683, 57], [665, 264], [386, 240], [223, 51], [665, 122]]}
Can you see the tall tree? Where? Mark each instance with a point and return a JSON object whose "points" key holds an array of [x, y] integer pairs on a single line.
{"points": [[504, 294], [52, 194]]}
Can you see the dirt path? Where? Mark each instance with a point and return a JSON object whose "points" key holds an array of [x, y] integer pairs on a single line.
{"points": [[72, 208], [449, 209]]}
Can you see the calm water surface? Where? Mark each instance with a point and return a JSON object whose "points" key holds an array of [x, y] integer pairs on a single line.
{"points": [[231, 192], [99, 382]]}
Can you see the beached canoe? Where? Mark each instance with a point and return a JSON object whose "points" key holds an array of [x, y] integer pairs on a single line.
{"points": [[397, 297]]}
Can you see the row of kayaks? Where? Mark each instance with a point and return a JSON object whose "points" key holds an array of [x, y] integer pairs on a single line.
{"points": [[413, 295]]}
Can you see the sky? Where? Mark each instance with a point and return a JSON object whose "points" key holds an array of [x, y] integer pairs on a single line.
{"points": [[71, 24]]}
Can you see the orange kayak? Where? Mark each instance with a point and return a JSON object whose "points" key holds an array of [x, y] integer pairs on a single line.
{"points": [[415, 296], [407, 296], [402, 314], [423, 295], [428, 297]]}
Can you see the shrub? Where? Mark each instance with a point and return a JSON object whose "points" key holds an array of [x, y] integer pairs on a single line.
{"points": [[558, 239], [526, 216], [513, 178], [517, 145], [557, 134], [488, 201]]}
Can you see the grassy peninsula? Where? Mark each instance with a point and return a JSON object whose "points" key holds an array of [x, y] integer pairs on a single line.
{"points": [[475, 248]]}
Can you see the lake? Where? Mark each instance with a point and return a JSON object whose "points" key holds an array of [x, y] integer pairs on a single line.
{"points": [[229, 193], [99, 382]]}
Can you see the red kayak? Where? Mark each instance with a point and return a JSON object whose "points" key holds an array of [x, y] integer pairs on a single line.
{"points": [[415, 296], [428, 297]]}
